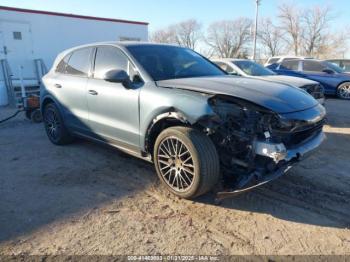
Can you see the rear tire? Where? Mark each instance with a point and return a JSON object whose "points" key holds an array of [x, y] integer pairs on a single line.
{"points": [[343, 91], [186, 161], [54, 126]]}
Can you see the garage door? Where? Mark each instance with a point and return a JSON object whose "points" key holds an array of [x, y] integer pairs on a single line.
{"points": [[16, 47]]}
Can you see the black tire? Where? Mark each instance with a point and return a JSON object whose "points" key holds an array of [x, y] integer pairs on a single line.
{"points": [[54, 126], [204, 158], [36, 116], [343, 91]]}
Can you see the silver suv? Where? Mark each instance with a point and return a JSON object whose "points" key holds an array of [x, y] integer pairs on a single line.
{"points": [[169, 105]]}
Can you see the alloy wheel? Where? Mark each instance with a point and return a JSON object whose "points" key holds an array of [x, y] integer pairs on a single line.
{"points": [[52, 123], [176, 164], [344, 91]]}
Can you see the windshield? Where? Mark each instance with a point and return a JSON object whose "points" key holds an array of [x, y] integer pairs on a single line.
{"points": [[253, 69], [170, 62], [334, 67]]}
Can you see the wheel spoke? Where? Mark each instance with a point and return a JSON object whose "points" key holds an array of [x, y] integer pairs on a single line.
{"points": [[188, 171], [175, 163]]}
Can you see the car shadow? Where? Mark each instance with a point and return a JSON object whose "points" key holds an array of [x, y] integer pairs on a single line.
{"points": [[41, 183]]}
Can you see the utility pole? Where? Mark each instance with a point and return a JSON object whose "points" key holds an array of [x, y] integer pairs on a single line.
{"points": [[256, 27]]}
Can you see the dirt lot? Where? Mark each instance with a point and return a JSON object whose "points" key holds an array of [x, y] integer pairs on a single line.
{"points": [[89, 199]]}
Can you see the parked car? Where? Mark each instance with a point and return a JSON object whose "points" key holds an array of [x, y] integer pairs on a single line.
{"points": [[280, 59], [248, 68], [334, 80], [342, 63], [171, 106]]}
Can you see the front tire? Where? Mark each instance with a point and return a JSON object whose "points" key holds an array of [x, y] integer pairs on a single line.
{"points": [[186, 162], [343, 91], [54, 126]]}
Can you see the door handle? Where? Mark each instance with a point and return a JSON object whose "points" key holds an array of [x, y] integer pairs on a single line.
{"points": [[93, 92], [58, 86]]}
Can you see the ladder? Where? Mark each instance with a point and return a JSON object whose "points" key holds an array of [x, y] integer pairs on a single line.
{"points": [[31, 85]]}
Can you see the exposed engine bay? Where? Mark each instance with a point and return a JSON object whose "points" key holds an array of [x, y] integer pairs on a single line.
{"points": [[253, 142]]}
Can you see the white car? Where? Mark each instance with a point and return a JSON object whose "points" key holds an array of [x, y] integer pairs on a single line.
{"points": [[248, 68], [280, 59]]}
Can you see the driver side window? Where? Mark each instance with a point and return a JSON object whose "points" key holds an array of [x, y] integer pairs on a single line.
{"points": [[111, 58], [313, 66]]}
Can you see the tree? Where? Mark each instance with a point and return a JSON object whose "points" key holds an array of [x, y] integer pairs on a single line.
{"points": [[163, 36], [187, 33], [228, 38], [291, 23], [316, 24], [335, 45], [270, 36]]}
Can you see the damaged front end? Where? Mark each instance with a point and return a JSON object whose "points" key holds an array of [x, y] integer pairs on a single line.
{"points": [[256, 145]]}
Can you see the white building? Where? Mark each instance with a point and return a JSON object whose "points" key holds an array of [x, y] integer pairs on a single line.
{"points": [[31, 39]]}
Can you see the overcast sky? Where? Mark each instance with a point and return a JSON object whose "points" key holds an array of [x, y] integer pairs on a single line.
{"points": [[163, 12]]}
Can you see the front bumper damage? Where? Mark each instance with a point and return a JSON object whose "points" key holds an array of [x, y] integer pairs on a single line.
{"points": [[284, 157]]}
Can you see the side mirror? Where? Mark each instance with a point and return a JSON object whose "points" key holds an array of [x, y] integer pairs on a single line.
{"points": [[118, 76], [328, 71]]}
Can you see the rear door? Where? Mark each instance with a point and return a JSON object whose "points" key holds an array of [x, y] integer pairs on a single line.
{"points": [[113, 109], [69, 87], [290, 68]]}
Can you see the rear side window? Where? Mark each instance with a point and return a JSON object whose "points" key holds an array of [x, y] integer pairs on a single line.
{"points": [[61, 67], [313, 66], [290, 65], [109, 58], [79, 62]]}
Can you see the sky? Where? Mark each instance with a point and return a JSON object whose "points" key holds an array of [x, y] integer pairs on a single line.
{"points": [[160, 13]]}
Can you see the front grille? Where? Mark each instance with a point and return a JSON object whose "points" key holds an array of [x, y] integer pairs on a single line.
{"points": [[317, 91], [298, 136]]}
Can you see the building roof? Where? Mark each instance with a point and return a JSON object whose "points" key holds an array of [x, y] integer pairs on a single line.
{"points": [[14, 9]]}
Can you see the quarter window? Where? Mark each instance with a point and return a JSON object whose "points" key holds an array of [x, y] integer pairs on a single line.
{"points": [[79, 62], [109, 58], [290, 65], [61, 67]]}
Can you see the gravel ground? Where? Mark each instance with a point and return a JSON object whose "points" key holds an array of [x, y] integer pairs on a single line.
{"points": [[89, 199]]}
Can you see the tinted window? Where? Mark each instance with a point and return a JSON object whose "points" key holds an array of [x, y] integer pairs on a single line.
{"points": [[273, 60], [333, 67], [109, 58], [313, 66], [290, 65], [170, 62], [61, 67], [79, 62], [253, 69], [227, 68]]}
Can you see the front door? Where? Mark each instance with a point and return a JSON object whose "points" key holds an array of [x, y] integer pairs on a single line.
{"points": [[113, 109], [17, 48]]}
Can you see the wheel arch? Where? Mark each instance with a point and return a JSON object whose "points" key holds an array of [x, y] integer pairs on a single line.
{"points": [[343, 82], [46, 100], [159, 123], [50, 99]]}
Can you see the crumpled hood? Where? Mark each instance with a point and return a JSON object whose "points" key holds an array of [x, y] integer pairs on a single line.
{"points": [[289, 80], [277, 97]]}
